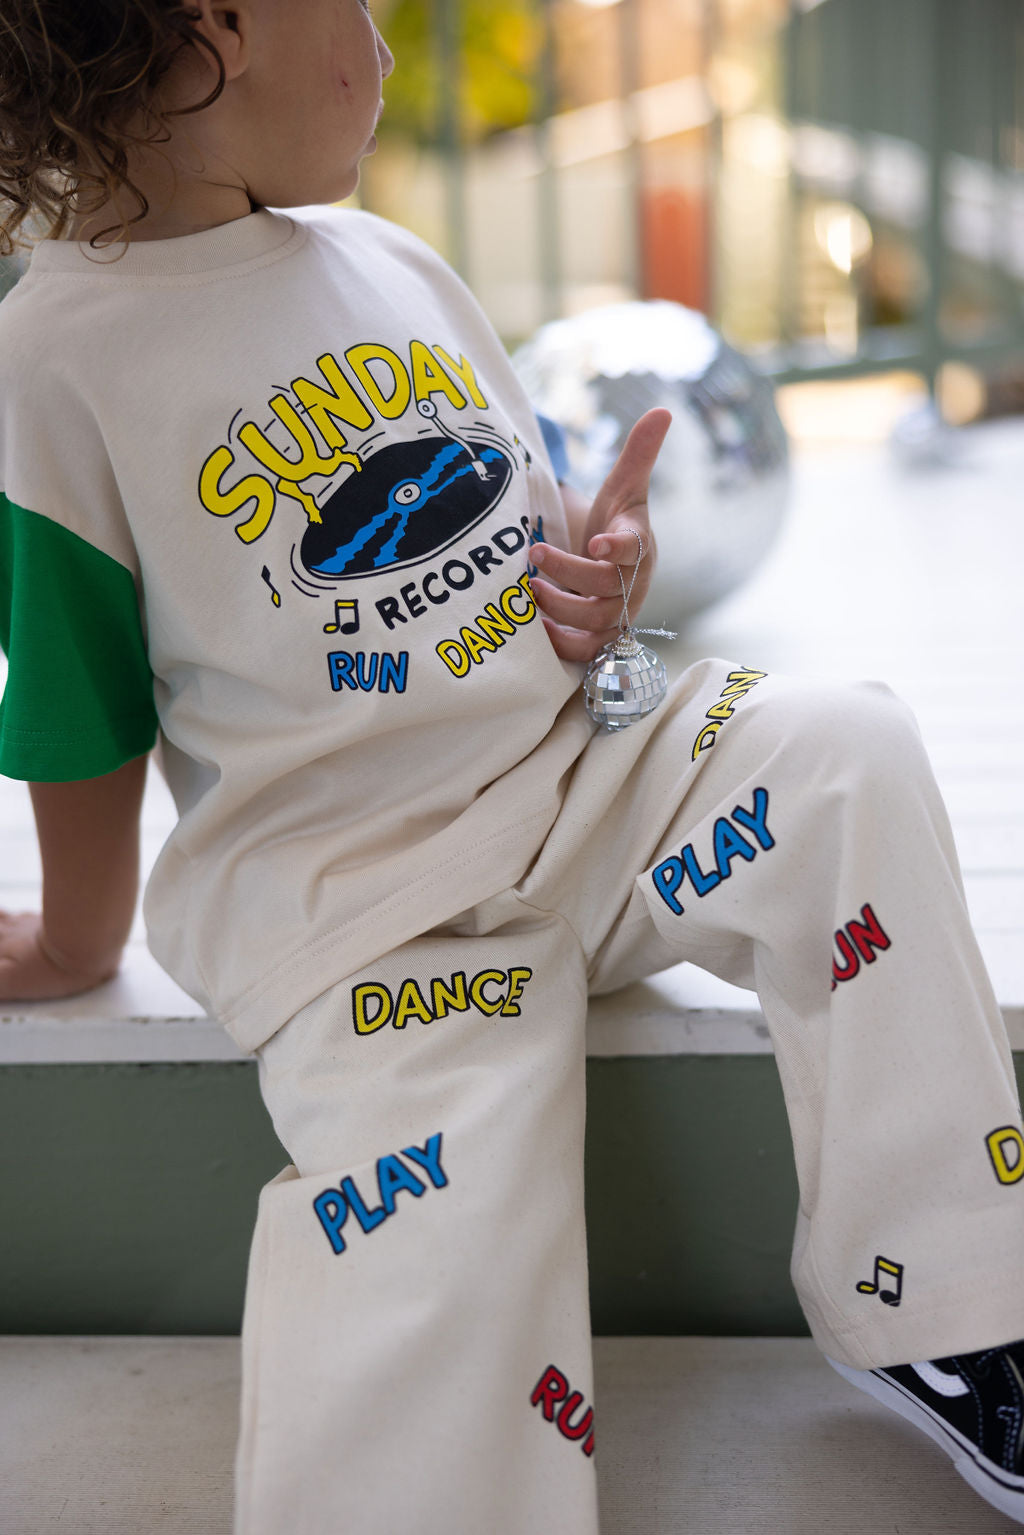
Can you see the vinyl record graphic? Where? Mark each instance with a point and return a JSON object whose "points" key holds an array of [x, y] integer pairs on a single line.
{"points": [[409, 501]]}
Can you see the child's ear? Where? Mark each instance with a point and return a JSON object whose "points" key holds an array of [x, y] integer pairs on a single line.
{"points": [[227, 25]]}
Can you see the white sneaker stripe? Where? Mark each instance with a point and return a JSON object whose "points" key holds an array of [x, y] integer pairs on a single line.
{"points": [[938, 1380]]}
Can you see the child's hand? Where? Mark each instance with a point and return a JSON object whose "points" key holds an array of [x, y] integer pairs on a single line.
{"points": [[581, 613], [28, 973]]}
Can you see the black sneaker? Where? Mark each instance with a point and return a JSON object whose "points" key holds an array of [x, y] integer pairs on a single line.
{"points": [[970, 1404]]}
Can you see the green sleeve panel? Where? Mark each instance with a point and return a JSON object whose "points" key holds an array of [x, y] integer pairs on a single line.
{"points": [[79, 696]]}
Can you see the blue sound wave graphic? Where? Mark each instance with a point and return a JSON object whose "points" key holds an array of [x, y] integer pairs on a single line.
{"points": [[430, 486]]}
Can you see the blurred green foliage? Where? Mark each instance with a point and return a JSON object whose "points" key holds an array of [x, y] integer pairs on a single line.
{"points": [[500, 42]]}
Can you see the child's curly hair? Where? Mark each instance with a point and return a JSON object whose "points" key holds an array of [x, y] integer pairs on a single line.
{"points": [[73, 75]]}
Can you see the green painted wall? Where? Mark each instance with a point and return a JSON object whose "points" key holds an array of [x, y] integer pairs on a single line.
{"points": [[691, 1197], [129, 1195]]}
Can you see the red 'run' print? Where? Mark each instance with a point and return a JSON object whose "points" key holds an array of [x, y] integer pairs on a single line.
{"points": [[856, 942], [553, 1389]]}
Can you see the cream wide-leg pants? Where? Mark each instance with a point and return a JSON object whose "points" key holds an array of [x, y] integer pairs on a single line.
{"points": [[416, 1343]]}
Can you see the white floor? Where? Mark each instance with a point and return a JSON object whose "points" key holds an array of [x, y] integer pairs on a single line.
{"points": [[698, 1436]]}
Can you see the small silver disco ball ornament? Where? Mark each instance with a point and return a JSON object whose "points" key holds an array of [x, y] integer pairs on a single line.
{"points": [[623, 683], [719, 489]]}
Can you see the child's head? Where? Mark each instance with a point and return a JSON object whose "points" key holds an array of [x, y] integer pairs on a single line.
{"points": [[261, 102]]}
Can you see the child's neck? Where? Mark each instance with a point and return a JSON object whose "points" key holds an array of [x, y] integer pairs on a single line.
{"points": [[192, 208]]}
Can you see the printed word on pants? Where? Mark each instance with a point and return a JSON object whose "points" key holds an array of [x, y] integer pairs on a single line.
{"points": [[489, 991], [333, 1205], [857, 942], [558, 1403], [727, 843], [1006, 1151]]}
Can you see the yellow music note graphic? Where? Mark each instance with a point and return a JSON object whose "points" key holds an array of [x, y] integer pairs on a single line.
{"points": [[351, 626], [265, 573], [884, 1266]]}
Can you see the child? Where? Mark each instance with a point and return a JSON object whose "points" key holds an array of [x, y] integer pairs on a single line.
{"points": [[271, 492]]}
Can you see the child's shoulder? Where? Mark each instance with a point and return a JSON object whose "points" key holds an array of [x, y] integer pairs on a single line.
{"points": [[26, 334], [354, 224], [355, 229]]}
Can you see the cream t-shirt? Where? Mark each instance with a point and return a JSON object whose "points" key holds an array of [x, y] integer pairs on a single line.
{"points": [[267, 495]]}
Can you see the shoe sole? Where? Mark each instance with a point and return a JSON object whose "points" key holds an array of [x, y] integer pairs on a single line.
{"points": [[1000, 1488]]}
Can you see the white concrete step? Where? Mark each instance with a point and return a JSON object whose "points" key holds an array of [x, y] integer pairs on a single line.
{"points": [[698, 1436]]}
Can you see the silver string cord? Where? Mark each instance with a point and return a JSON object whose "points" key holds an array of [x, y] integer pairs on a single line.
{"points": [[624, 620]]}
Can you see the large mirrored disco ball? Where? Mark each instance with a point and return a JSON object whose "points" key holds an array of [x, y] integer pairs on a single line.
{"points": [[720, 486]]}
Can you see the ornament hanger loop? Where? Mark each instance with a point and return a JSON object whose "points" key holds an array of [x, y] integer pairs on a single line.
{"points": [[624, 624]]}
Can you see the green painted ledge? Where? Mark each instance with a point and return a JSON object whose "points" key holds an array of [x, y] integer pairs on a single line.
{"points": [[130, 1193]]}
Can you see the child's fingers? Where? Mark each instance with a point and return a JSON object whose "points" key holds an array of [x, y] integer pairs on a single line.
{"points": [[630, 476], [575, 644], [588, 577], [618, 545], [594, 602], [28, 977], [26, 972], [582, 612], [13, 925], [576, 610]]}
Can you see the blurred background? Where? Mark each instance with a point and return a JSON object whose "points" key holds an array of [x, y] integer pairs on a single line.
{"points": [[837, 184]]}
